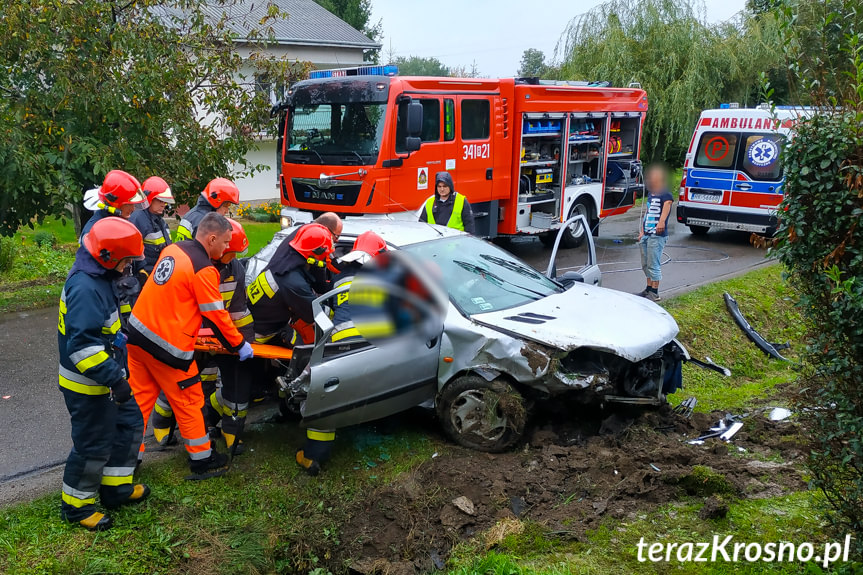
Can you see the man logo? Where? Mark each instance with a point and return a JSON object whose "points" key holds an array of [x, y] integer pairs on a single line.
{"points": [[163, 271]]}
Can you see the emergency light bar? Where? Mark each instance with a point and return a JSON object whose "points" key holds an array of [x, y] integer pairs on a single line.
{"points": [[388, 70]]}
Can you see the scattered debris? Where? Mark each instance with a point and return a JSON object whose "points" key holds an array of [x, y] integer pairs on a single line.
{"points": [[715, 507], [685, 407], [731, 431], [655, 468], [464, 505], [600, 506], [7, 396], [517, 505], [779, 413], [750, 332], [725, 429], [709, 364]]}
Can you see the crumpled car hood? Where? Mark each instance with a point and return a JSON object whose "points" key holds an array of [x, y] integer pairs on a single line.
{"points": [[588, 316]]}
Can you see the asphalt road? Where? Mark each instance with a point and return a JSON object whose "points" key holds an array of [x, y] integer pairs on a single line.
{"points": [[34, 425]]}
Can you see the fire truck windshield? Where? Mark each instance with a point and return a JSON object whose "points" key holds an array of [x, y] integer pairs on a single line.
{"points": [[346, 134]]}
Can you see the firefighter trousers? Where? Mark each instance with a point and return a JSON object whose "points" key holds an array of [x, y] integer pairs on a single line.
{"points": [[229, 402], [164, 422], [105, 440], [149, 377]]}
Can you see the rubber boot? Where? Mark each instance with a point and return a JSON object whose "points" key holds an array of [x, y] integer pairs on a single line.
{"points": [[214, 466], [94, 522], [140, 492], [311, 466], [230, 439]]}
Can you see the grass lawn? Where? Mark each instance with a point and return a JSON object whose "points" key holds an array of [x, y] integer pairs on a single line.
{"points": [[266, 517]]}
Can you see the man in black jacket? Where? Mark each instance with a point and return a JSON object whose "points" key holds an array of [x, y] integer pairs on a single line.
{"points": [[152, 225], [447, 207]]}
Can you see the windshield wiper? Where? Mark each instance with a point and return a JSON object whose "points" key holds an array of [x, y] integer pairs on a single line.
{"points": [[511, 265], [491, 278]]}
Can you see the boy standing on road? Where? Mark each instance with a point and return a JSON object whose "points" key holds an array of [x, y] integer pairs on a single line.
{"points": [[653, 233]]}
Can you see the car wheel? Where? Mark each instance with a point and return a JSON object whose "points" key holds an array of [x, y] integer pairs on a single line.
{"points": [[699, 230], [482, 415], [574, 234]]}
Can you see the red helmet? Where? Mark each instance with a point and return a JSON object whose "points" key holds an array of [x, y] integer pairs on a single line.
{"points": [[112, 239], [157, 189], [119, 189], [314, 242], [239, 242], [222, 190], [371, 243]]}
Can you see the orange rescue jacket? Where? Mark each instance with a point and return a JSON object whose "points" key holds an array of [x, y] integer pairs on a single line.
{"points": [[182, 290]]}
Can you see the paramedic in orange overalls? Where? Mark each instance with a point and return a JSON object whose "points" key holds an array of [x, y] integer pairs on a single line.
{"points": [[182, 291]]}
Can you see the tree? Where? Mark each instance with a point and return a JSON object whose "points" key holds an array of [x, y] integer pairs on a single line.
{"points": [[151, 87], [684, 64], [418, 66], [465, 72], [357, 13], [532, 64]]}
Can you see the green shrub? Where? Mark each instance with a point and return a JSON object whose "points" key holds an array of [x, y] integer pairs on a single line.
{"points": [[7, 253], [822, 249], [44, 238]]}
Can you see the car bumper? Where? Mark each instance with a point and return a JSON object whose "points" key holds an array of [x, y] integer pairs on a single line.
{"points": [[713, 218]]}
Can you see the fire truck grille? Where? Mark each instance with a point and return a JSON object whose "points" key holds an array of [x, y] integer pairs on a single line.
{"points": [[340, 194]]}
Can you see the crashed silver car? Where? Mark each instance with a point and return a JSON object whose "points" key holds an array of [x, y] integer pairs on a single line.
{"points": [[509, 336]]}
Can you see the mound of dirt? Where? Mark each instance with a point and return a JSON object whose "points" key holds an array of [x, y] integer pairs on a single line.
{"points": [[568, 477]]}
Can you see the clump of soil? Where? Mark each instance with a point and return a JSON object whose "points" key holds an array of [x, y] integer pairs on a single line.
{"points": [[569, 476]]}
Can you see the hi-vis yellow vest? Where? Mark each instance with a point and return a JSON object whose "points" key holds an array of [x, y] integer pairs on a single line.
{"points": [[455, 220]]}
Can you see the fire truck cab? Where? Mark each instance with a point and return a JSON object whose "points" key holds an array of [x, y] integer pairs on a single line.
{"points": [[526, 154], [733, 177]]}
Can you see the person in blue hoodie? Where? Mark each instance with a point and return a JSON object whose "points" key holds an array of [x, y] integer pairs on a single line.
{"points": [[106, 422]]}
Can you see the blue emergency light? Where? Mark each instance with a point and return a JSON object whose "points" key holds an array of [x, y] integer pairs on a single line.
{"points": [[388, 70]]}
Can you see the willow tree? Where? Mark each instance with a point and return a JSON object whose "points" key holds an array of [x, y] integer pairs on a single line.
{"points": [[163, 87], [684, 64]]}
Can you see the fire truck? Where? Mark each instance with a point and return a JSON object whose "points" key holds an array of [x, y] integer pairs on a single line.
{"points": [[732, 176], [527, 154]]}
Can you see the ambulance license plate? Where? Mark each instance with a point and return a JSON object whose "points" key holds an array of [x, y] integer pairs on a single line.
{"points": [[705, 196]]}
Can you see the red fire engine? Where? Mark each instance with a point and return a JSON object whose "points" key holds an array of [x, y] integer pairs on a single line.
{"points": [[527, 154]]}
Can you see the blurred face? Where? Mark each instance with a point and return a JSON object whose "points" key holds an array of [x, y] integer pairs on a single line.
{"points": [[126, 211], [443, 190], [337, 232], [225, 208], [122, 265], [656, 180], [227, 257], [157, 206], [216, 244]]}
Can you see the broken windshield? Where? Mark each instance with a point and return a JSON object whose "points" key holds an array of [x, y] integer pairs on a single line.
{"points": [[346, 134]]}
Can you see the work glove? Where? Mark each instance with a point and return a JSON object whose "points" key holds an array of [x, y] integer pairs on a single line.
{"points": [[246, 352], [127, 287], [121, 392]]}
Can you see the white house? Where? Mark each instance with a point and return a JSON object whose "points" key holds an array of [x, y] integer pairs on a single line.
{"points": [[309, 34]]}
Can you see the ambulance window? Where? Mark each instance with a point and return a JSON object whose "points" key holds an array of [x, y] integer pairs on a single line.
{"points": [[716, 150], [762, 156], [448, 120], [475, 119], [431, 122]]}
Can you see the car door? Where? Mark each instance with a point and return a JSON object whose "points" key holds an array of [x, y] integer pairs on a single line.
{"points": [[582, 265], [369, 382]]}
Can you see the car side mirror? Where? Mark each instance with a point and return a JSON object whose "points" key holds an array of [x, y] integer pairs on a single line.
{"points": [[415, 120], [412, 144]]}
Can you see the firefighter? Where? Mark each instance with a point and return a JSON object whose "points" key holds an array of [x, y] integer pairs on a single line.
{"points": [[281, 296], [106, 425], [319, 442], [152, 225], [118, 195], [182, 290], [447, 207], [219, 196]]}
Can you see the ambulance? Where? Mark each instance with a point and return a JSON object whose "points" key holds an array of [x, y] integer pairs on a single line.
{"points": [[527, 154], [733, 176]]}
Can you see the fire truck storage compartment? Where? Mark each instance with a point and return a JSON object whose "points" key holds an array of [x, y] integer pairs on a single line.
{"points": [[541, 169], [623, 173], [584, 148]]}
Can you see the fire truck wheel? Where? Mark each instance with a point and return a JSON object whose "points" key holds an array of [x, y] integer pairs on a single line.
{"points": [[699, 230], [574, 234]]}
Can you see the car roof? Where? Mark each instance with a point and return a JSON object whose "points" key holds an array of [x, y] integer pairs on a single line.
{"points": [[398, 233]]}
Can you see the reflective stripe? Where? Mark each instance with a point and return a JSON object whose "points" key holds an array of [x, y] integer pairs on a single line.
{"points": [[184, 230], [377, 328], [228, 286], [117, 475], [83, 354], [229, 407], [227, 296], [154, 239], [125, 308], [92, 361], [76, 497], [80, 383], [198, 441], [114, 481], [200, 455], [264, 338], [113, 327], [163, 412], [316, 435], [169, 348], [245, 318], [211, 306], [345, 333]]}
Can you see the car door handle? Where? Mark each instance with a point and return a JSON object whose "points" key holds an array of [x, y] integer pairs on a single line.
{"points": [[331, 384], [743, 187]]}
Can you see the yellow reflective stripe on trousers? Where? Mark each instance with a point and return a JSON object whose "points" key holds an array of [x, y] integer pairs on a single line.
{"points": [[316, 435], [345, 333], [76, 497]]}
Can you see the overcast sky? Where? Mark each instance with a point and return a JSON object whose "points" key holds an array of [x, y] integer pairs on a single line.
{"points": [[494, 33]]}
